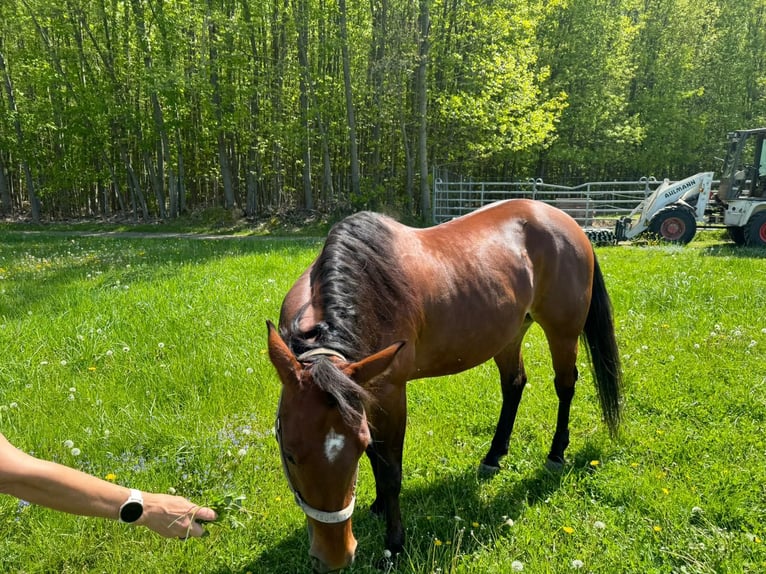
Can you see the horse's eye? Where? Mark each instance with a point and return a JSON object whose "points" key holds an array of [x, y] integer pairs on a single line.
{"points": [[289, 458]]}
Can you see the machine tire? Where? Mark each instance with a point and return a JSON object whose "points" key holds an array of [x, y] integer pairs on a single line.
{"points": [[755, 230], [736, 234], [675, 224]]}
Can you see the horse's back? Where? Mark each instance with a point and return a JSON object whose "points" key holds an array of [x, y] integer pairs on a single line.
{"points": [[481, 276]]}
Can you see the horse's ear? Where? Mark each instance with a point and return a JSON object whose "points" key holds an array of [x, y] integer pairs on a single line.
{"points": [[281, 356], [374, 365]]}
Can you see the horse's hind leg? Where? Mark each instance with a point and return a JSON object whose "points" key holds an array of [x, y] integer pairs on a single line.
{"points": [[512, 381], [564, 354]]}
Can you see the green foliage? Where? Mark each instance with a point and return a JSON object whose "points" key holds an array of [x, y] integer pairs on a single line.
{"points": [[213, 101], [150, 356]]}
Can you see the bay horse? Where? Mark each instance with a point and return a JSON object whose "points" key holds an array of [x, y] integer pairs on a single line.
{"points": [[383, 304]]}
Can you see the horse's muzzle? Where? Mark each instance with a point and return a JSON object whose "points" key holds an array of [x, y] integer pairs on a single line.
{"points": [[331, 553]]}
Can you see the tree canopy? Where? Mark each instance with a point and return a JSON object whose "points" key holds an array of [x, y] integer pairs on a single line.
{"points": [[152, 109]]}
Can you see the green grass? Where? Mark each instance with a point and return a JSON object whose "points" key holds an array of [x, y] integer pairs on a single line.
{"points": [[149, 355]]}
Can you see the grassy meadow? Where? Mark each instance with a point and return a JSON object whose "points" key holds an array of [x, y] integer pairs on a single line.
{"points": [[143, 361]]}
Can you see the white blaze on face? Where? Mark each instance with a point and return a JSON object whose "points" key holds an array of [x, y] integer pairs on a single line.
{"points": [[333, 444]]}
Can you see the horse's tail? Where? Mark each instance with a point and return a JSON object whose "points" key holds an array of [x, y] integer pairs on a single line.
{"points": [[602, 349]]}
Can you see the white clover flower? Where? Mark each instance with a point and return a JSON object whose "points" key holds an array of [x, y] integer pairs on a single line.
{"points": [[249, 370], [161, 345], [508, 522], [577, 564], [70, 397], [517, 566], [72, 389], [63, 362], [242, 452], [109, 353], [696, 510], [68, 443], [14, 405], [752, 344], [126, 349], [598, 525]]}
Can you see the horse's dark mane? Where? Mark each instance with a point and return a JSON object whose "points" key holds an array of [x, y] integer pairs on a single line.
{"points": [[360, 289]]}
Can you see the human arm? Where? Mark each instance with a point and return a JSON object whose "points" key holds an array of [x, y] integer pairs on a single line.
{"points": [[69, 490]]}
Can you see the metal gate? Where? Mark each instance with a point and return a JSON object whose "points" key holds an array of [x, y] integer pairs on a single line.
{"points": [[586, 203]]}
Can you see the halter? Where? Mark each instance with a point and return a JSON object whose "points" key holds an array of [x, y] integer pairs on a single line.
{"points": [[324, 516], [320, 352]]}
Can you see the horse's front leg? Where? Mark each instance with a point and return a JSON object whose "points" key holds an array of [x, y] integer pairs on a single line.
{"points": [[385, 454]]}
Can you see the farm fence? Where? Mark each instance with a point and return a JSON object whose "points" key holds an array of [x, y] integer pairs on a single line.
{"points": [[586, 203]]}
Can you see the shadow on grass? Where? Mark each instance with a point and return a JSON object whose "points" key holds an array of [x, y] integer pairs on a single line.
{"points": [[450, 508]]}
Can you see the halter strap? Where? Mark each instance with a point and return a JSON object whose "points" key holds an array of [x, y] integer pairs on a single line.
{"points": [[321, 352], [324, 516]]}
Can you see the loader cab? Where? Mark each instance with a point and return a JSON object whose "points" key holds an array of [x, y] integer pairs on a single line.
{"points": [[744, 167]]}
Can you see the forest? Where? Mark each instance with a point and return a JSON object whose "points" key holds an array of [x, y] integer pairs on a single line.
{"points": [[149, 110]]}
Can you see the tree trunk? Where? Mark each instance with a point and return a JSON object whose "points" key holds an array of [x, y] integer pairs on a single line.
{"points": [[301, 15], [6, 206], [353, 147], [421, 92], [223, 153]]}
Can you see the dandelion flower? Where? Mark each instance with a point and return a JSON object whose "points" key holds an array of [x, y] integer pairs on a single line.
{"points": [[161, 345], [63, 362], [657, 528], [111, 477], [475, 524], [75, 451], [568, 529], [595, 463], [249, 370], [665, 491], [577, 564], [517, 566], [68, 443], [437, 542], [696, 510], [386, 553], [598, 525], [91, 368]]}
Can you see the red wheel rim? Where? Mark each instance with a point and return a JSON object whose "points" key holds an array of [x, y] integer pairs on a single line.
{"points": [[673, 228], [762, 232]]}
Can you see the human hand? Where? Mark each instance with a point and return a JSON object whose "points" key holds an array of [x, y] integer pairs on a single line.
{"points": [[174, 516]]}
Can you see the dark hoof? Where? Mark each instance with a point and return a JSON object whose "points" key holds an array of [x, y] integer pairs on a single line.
{"points": [[387, 562], [488, 470], [554, 465]]}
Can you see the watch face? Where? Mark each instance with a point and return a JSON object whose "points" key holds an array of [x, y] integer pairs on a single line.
{"points": [[131, 511]]}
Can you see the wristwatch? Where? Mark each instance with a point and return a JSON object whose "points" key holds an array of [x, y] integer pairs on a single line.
{"points": [[132, 508]]}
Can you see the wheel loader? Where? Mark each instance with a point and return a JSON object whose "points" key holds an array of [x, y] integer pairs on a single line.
{"points": [[674, 211]]}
